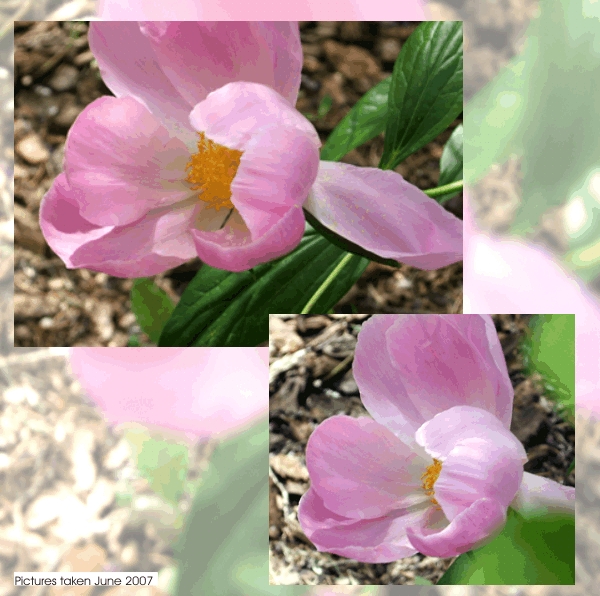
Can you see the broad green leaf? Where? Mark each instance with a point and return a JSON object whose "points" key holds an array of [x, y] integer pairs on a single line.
{"points": [[219, 308], [362, 123], [151, 307], [163, 463], [529, 550], [426, 90], [451, 164], [550, 351], [221, 551]]}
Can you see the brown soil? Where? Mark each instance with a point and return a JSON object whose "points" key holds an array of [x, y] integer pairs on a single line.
{"points": [[311, 380], [56, 77]]}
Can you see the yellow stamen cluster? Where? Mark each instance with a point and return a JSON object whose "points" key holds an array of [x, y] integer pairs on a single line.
{"points": [[211, 171], [429, 477]]}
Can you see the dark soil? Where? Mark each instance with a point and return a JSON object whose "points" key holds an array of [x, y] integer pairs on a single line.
{"points": [[311, 380], [56, 77]]}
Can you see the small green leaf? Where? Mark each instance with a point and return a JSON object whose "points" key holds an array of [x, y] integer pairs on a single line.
{"points": [[324, 106], [422, 581], [550, 351], [151, 307], [426, 90], [220, 308], [362, 123], [529, 550], [451, 164]]}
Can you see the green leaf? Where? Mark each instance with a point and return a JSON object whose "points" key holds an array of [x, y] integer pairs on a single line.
{"points": [[324, 106], [529, 550], [362, 123], [426, 90], [220, 308], [451, 164], [163, 463], [422, 581], [550, 351], [151, 307], [220, 551], [494, 117]]}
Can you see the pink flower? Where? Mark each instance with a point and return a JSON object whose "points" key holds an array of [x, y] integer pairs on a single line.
{"points": [[506, 275], [222, 10], [202, 392], [437, 467], [202, 153]]}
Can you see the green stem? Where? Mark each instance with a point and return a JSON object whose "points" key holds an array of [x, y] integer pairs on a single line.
{"points": [[321, 289], [444, 190]]}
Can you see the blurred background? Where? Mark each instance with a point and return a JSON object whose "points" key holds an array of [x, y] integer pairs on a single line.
{"points": [[553, 165]]}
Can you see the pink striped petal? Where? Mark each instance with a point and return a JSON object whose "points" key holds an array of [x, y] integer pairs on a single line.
{"points": [[199, 57], [411, 367], [361, 470], [386, 215], [121, 162], [379, 540]]}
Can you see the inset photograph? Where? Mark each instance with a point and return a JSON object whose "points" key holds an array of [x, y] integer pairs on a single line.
{"points": [[169, 175], [422, 449]]}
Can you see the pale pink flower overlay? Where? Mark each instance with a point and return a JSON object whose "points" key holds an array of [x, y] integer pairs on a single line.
{"points": [[506, 275], [202, 392], [436, 467], [223, 10], [203, 154]]}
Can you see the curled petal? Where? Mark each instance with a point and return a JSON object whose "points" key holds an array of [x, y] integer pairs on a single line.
{"points": [[480, 458], [278, 165], [541, 495], [386, 215], [472, 528]]}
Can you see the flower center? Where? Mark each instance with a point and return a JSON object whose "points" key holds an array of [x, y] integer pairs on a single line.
{"points": [[429, 477], [211, 171]]}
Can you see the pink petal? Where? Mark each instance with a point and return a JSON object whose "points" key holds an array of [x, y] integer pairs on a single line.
{"points": [[159, 242], [224, 10], [384, 214], [129, 68], [470, 529], [541, 495], [411, 367], [361, 470], [277, 167], [199, 57], [121, 162], [202, 391], [378, 540], [480, 458]]}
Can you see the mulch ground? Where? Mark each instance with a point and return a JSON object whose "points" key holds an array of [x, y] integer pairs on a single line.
{"points": [[56, 77], [311, 380]]}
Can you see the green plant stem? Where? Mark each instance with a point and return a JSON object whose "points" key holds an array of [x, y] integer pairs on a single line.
{"points": [[326, 283], [444, 190]]}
